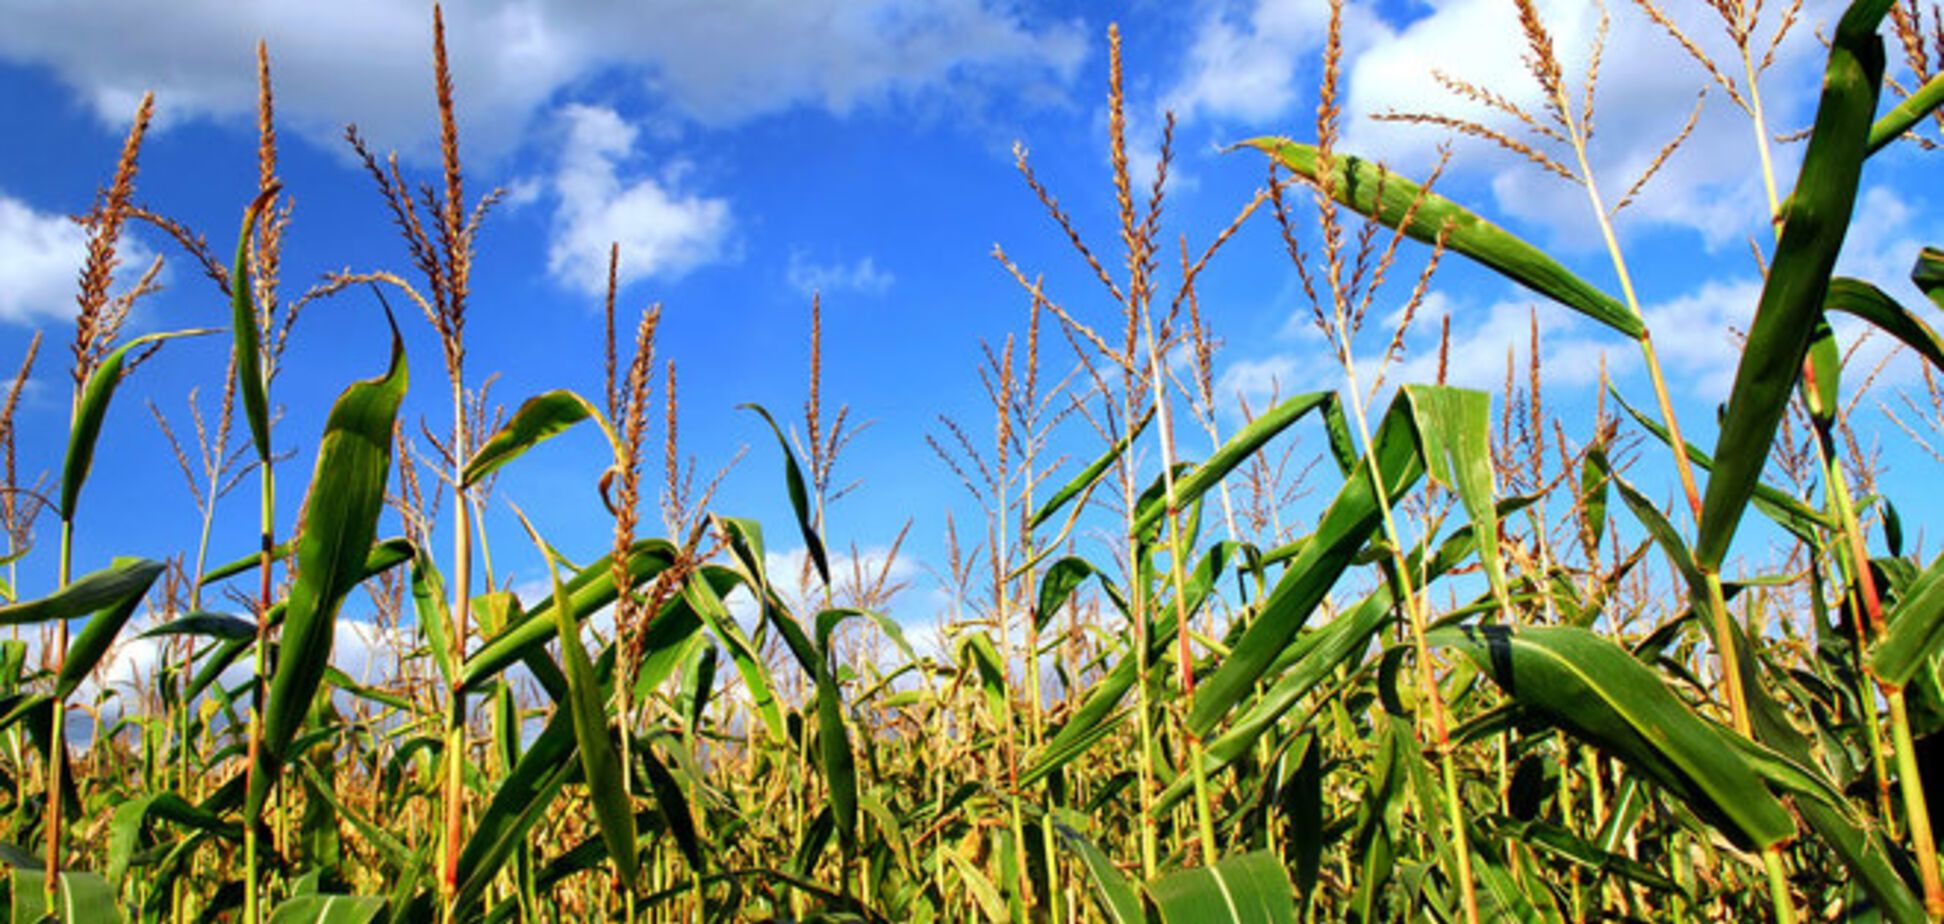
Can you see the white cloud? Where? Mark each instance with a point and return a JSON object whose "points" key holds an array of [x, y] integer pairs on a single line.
{"points": [[1243, 67], [40, 256], [862, 277], [1647, 86], [662, 231], [369, 61]]}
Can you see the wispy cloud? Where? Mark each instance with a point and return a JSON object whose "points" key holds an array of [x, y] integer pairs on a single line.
{"points": [[862, 277]]}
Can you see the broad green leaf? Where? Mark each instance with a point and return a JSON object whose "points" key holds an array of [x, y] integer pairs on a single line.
{"points": [[92, 409], [1239, 447], [125, 827], [799, 496], [1916, 628], [1088, 476], [524, 797], [588, 590], [1455, 431], [328, 909], [1112, 890], [1906, 114], [587, 700], [539, 419], [1248, 889], [1859, 298], [1349, 522], [347, 494], [96, 635], [125, 579], [749, 662], [205, 625], [1373, 191], [1928, 274], [85, 898], [1603, 695], [247, 347], [1813, 226]]}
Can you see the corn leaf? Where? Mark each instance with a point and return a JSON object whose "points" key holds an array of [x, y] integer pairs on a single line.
{"points": [[85, 898], [347, 494], [1916, 628], [541, 418], [113, 585], [1373, 191], [1248, 889], [1112, 891], [1814, 223], [328, 909], [1239, 447], [799, 496], [1349, 522], [92, 410], [1088, 476], [1859, 298], [1598, 692]]}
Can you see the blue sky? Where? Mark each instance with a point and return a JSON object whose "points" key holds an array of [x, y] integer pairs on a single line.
{"points": [[745, 153]]}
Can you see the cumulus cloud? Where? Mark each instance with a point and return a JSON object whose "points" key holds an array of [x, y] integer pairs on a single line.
{"points": [[862, 277], [662, 231], [40, 256], [369, 61], [1243, 68]]}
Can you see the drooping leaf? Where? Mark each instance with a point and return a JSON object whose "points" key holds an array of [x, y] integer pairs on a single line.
{"points": [[92, 409], [1597, 691], [1088, 476], [1239, 447], [588, 590], [88, 646], [111, 586], [540, 418], [1373, 191], [1866, 301], [799, 496], [346, 496]]}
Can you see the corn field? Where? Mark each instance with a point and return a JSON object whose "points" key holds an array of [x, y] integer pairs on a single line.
{"points": [[1481, 674]]}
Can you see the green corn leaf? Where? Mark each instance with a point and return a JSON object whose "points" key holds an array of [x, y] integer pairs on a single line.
{"points": [[1814, 223], [1859, 298], [87, 648], [588, 590], [384, 556], [434, 616], [748, 661], [92, 410], [125, 827], [1239, 447], [1454, 428], [1916, 628], [85, 898], [124, 579], [346, 496], [1112, 891], [541, 418], [248, 345], [1905, 115], [1371, 190], [328, 909], [1251, 888], [1785, 509], [674, 806], [1088, 476], [1603, 695], [799, 496], [524, 797], [204, 625], [1349, 522], [1928, 274], [587, 701]]}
